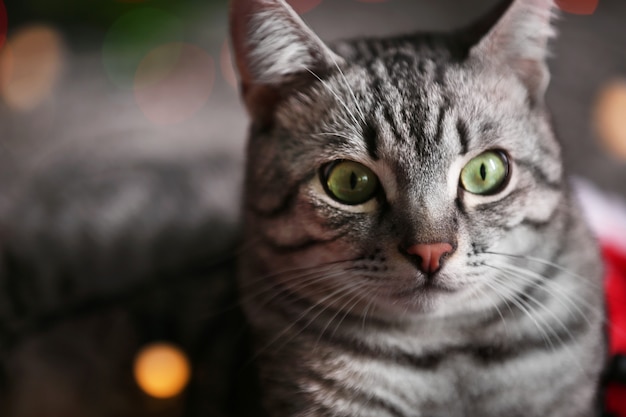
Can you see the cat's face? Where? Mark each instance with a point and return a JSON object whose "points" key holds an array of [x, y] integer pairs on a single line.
{"points": [[390, 180]]}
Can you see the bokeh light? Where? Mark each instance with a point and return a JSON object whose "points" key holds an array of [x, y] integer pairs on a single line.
{"points": [[172, 91], [162, 370], [227, 65], [610, 118], [157, 64], [583, 7], [132, 37], [30, 67], [4, 24], [304, 6]]}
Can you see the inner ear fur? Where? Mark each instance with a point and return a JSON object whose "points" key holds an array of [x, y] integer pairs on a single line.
{"points": [[275, 53]]}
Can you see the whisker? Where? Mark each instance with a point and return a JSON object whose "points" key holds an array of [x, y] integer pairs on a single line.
{"points": [[275, 274], [347, 84], [572, 300], [558, 320], [334, 93], [543, 306], [338, 294], [367, 308], [311, 278], [265, 288], [495, 304], [358, 297], [337, 134], [278, 290], [519, 303], [555, 290], [547, 263]]}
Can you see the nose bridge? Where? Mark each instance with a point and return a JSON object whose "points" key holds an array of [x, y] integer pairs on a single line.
{"points": [[423, 209], [426, 217]]}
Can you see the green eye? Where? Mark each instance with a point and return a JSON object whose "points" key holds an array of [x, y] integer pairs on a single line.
{"points": [[350, 182], [486, 173]]}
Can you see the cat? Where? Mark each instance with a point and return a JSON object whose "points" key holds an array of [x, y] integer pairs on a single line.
{"points": [[102, 252], [413, 247]]}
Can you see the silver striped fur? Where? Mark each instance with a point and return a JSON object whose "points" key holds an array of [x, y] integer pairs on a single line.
{"points": [[345, 324]]}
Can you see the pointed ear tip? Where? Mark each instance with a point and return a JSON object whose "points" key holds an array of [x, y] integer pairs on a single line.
{"points": [[501, 18]]}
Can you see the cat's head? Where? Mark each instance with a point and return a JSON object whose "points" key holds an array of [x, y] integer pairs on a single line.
{"points": [[385, 173]]}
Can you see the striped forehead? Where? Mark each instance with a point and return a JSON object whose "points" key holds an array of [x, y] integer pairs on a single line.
{"points": [[390, 103], [414, 117]]}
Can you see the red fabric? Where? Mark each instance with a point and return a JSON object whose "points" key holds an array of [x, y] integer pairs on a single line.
{"points": [[616, 400], [615, 262]]}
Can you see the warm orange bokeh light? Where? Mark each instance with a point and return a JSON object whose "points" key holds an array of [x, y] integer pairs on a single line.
{"points": [[610, 117], [162, 370], [30, 66]]}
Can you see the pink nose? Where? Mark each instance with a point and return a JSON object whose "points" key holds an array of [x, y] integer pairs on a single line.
{"points": [[430, 255]]}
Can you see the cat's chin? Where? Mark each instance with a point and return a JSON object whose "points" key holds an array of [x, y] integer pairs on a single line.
{"points": [[432, 297]]}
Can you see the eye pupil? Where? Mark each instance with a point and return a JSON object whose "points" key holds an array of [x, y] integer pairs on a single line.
{"points": [[353, 180], [483, 171]]}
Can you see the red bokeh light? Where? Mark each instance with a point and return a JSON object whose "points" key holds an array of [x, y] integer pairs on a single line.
{"points": [[583, 7], [303, 6], [226, 64], [4, 24]]}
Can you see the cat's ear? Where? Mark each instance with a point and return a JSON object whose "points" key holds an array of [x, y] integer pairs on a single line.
{"points": [[274, 51], [516, 33]]}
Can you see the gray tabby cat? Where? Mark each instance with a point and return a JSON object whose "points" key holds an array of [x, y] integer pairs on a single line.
{"points": [[412, 244]]}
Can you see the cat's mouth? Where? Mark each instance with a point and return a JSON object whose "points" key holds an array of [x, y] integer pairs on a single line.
{"points": [[425, 295], [429, 286]]}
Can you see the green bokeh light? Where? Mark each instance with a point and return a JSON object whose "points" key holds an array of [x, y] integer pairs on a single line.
{"points": [[132, 37]]}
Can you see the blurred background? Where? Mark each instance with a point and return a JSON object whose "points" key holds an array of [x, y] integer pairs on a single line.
{"points": [[158, 74], [121, 90]]}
